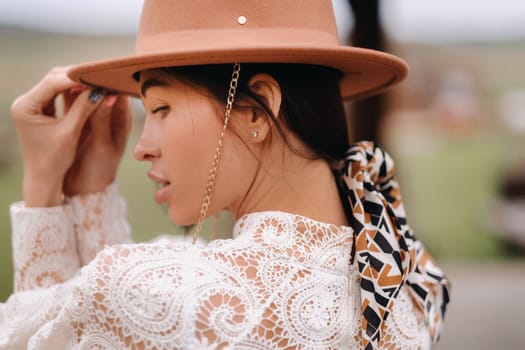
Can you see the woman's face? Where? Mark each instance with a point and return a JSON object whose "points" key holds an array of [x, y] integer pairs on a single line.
{"points": [[180, 136]]}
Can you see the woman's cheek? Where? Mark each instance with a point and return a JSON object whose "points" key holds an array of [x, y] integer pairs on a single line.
{"points": [[188, 150], [185, 194]]}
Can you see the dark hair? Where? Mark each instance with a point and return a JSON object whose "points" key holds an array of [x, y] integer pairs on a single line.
{"points": [[311, 105]]}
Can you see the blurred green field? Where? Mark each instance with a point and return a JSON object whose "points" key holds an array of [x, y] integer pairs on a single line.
{"points": [[445, 178], [447, 188]]}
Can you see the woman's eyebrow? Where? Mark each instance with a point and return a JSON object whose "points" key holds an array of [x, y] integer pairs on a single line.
{"points": [[151, 83]]}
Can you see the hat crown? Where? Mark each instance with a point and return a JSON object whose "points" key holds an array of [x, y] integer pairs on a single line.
{"points": [[174, 33], [268, 22]]}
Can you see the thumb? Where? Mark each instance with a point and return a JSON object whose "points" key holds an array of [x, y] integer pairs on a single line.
{"points": [[85, 104]]}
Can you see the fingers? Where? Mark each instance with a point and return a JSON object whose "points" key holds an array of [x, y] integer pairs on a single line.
{"points": [[110, 116], [110, 124], [121, 121], [39, 99], [100, 122], [70, 96], [82, 108]]}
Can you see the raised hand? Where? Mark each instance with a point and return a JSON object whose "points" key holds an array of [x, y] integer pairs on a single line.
{"points": [[60, 153], [100, 146]]}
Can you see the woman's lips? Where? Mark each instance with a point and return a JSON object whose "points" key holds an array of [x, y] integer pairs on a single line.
{"points": [[162, 192], [161, 195]]}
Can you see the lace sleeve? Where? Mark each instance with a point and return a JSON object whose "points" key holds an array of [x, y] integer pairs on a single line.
{"points": [[100, 220], [44, 246], [26, 312]]}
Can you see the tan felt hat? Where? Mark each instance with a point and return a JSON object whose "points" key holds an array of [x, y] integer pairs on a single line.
{"points": [[195, 32]]}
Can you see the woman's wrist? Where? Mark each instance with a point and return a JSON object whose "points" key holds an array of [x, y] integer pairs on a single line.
{"points": [[110, 187], [85, 187], [42, 193]]}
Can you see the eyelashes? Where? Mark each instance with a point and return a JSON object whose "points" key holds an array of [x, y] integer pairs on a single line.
{"points": [[161, 110]]}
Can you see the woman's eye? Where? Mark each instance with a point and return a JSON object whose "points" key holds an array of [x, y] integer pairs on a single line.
{"points": [[161, 111]]}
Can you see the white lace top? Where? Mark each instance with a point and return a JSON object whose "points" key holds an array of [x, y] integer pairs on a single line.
{"points": [[283, 281]]}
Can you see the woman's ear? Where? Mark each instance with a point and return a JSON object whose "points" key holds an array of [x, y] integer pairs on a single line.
{"points": [[268, 90]]}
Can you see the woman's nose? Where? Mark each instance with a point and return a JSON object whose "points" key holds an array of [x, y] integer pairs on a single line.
{"points": [[145, 149]]}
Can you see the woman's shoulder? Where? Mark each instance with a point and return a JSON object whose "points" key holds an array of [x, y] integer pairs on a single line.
{"points": [[256, 237], [167, 255], [163, 250]]}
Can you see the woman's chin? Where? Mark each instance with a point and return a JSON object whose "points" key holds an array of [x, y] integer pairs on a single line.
{"points": [[182, 218]]}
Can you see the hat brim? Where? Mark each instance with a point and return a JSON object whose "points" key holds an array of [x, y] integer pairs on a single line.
{"points": [[366, 72]]}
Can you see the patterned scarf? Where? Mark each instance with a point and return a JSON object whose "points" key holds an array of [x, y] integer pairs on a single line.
{"points": [[388, 255]]}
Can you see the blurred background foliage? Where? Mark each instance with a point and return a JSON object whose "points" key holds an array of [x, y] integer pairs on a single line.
{"points": [[455, 128]]}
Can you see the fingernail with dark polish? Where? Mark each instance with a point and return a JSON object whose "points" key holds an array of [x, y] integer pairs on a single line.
{"points": [[95, 95]]}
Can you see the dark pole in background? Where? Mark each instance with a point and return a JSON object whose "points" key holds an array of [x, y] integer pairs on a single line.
{"points": [[366, 116]]}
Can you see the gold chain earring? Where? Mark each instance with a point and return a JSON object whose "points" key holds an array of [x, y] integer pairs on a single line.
{"points": [[212, 177]]}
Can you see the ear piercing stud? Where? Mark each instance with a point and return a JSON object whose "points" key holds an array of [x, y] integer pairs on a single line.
{"points": [[255, 134]]}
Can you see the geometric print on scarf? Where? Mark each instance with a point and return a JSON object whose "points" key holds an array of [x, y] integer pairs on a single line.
{"points": [[388, 255]]}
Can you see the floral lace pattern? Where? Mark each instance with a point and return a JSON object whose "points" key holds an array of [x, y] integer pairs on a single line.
{"points": [[283, 281], [44, 251], [99, 220]]}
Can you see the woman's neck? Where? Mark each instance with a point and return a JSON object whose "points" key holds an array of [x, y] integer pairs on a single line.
{"points": [[295, 185]]}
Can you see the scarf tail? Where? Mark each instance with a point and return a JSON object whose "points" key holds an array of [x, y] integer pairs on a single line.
{"points": [[387, 253]]}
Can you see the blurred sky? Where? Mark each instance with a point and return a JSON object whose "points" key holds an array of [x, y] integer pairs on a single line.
{"points": [[408, 20]]}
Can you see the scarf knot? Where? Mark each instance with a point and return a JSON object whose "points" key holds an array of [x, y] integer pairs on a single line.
{"points": [[387, 253]]}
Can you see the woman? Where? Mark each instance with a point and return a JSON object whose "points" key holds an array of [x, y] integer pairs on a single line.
{"points": [[321, 257]]}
